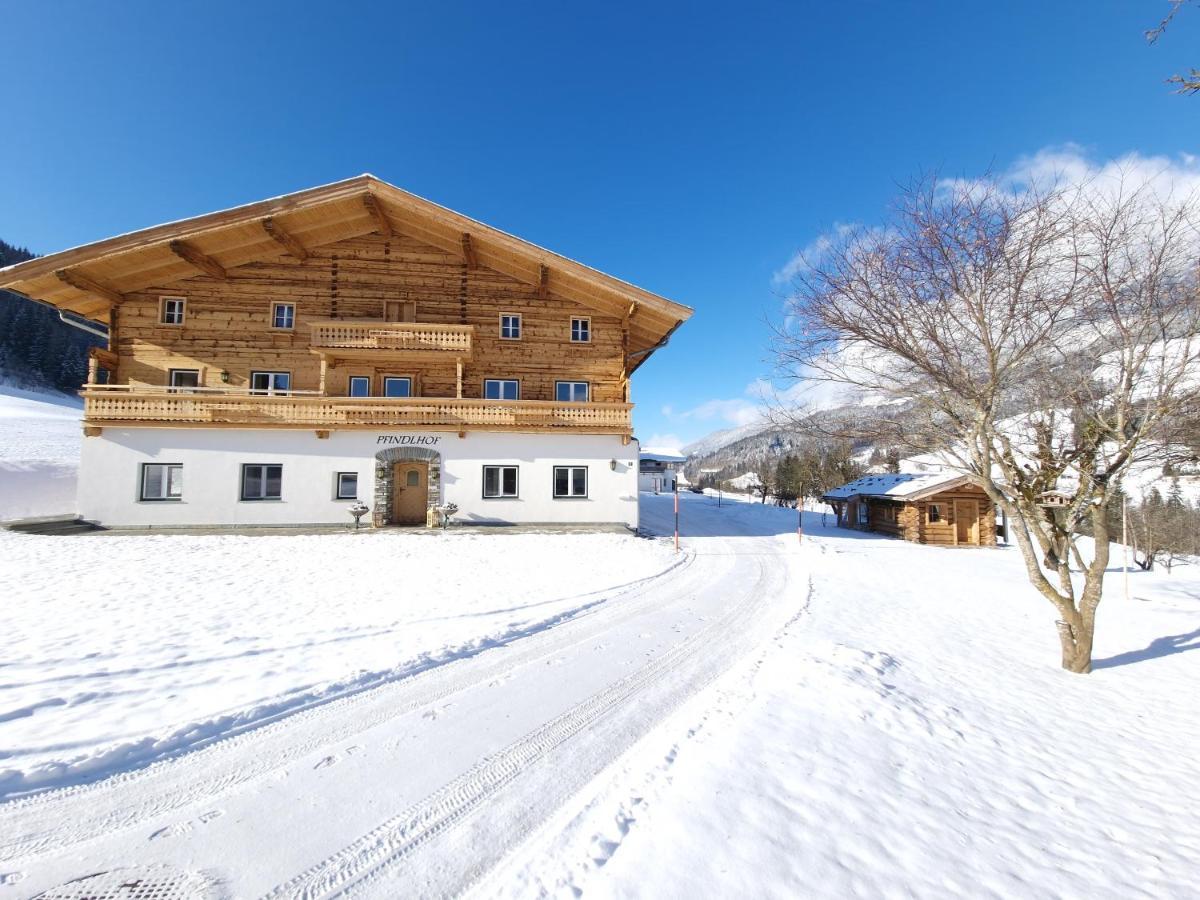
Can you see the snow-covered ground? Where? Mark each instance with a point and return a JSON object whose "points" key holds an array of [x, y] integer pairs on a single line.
{"points": [[393, 714], [910, 735], [118, 650], [39, 453]]}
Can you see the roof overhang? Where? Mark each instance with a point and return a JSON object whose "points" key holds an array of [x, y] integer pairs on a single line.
{"points": [[91, 280]]}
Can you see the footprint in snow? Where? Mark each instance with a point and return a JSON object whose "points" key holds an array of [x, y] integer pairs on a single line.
{"points": [[432, 714], [177, 829], [11, 877]]}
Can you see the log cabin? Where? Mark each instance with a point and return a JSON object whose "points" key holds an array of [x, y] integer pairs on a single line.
{"points": [[353, 343], [926, 508]]}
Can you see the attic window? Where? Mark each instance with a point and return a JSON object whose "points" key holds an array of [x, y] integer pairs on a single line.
{"points": [[172, 310]]}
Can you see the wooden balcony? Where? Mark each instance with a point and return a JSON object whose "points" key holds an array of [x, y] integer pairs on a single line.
{"points": [[149, 407], [375, 338]]}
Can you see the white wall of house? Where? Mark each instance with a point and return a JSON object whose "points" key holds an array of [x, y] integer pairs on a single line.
{"points": [[212, 459]]}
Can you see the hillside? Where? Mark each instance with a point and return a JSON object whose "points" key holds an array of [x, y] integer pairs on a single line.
{"points": [[37, 350]]}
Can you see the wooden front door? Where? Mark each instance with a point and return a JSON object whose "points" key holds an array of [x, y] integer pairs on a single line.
{"points": [[966, 521], [410, 493]]}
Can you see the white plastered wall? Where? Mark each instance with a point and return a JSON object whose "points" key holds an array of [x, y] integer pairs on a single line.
{"points": [[111, 462]]}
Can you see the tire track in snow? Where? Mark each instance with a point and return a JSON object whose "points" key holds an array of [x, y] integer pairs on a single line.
{"points": [[371, 856], [74, 815]]}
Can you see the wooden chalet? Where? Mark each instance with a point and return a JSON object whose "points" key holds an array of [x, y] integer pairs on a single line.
{"points": [[347, 308], [926, 508]]}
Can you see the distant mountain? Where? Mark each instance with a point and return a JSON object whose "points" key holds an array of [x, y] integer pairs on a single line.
{"points": [[37, 350], [713, 442]]}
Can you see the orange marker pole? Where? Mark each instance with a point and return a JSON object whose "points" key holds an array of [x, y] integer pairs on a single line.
{"points": [[676, 516]]}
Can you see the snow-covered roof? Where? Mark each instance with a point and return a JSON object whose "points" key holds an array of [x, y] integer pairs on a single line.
{"points": [[661, 456], [897, 485]]}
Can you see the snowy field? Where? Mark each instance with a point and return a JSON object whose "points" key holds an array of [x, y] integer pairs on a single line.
{"points": [[525, 715], [910, 735], [118, 650], [39, 453]]}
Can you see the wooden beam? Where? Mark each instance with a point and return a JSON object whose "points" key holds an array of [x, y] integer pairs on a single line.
{"points": [[200, 260], [81, 282], [468, 249], [288, 241], [381, 220], [543, 282]]}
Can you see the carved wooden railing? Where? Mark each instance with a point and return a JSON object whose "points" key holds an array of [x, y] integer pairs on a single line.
{"points": [[149, 406], [370, 334]]}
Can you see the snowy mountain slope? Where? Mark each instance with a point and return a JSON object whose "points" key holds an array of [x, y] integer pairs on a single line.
{"points": [[39, 452], [718, 440]]}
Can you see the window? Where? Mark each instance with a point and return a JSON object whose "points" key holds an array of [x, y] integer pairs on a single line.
{"points": [[571, 391], [397, 387], [510, 327], [283, 315], [162, 481], [360, 386], [570, 481], [270, 382], [581, 330], [400, 310], [347, 485], [501, 389], [172, 310], [935, 512], [499, 481], [262, 482], [181, 379], [412, 479], [862, 512]]}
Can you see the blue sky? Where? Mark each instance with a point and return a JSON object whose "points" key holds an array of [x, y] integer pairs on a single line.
{"points": [[690, 149]]}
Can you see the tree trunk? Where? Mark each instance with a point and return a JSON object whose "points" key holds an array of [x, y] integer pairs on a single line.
{"points": [[1076, 638]]}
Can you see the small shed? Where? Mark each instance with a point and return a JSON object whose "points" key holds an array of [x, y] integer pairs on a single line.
{"points": [[926, 508]]}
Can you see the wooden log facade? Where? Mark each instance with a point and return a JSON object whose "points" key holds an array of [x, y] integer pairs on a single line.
{"points": [[271, 363], [960, 515]]}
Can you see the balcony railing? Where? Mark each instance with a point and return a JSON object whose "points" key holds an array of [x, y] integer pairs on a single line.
{"points": [[231, 407], [374, 337]]}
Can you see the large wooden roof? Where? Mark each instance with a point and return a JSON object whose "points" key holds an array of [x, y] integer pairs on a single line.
{"points": [[91, 279]]}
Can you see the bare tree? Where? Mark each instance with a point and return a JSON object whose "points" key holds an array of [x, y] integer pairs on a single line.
{"points": [[1042, 341], [1189, 83]]}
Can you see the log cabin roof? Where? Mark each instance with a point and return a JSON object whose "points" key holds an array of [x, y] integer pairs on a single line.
{"points": [[90, 280], [901, 486]]}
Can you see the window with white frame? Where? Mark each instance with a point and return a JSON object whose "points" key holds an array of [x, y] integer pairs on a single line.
{"points": [[501, 389], [396, 386], [510, 326], [570, 481], [499, 481], [172, 310], [162, 481], [571, 391], [270, 382], [347, 485], [262, 481], [360, 386], [182, 379], [283, 315], [581, 329]]}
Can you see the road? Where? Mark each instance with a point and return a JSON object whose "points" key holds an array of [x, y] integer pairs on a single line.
{"points": [[423, 786]]}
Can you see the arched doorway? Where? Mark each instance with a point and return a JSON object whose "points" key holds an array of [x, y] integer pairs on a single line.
{"points": [[407, 482]]}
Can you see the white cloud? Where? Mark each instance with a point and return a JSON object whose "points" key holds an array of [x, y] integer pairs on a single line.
{"points": [[810, 253], [663, 443], [724, 412]]}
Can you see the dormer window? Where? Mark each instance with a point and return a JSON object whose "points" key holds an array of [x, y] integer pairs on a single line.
{"points": [[172, 310]]}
